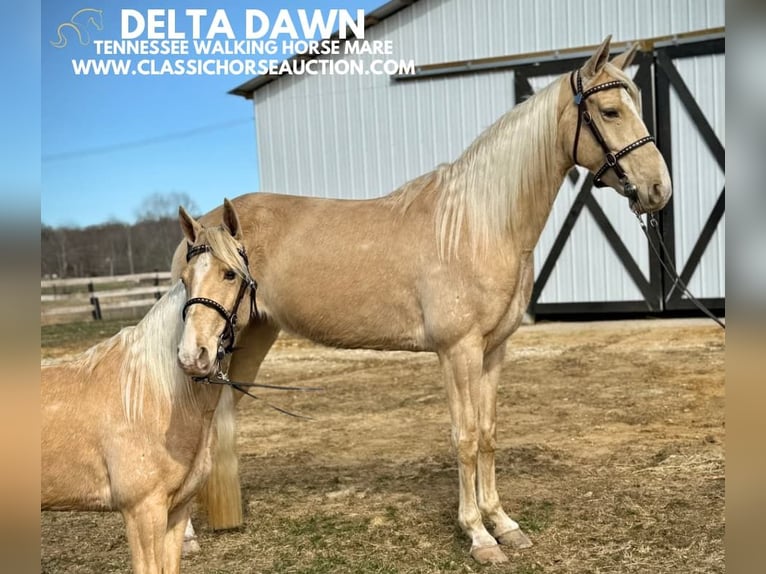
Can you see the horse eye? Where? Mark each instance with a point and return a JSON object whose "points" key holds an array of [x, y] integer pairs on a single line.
{"points": [[610, 113], [229, 275]]}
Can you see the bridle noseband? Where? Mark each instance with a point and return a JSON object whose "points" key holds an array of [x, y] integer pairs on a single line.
{"points": [[226, 339], [612, 159]]}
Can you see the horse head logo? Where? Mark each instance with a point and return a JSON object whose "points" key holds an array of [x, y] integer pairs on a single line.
{"points": [[79, 22]]}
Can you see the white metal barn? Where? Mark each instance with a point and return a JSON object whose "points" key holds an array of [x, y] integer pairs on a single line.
{"points": [[361, 136]]}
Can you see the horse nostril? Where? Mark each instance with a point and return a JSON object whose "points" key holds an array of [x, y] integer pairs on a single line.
{"points": [[657, 193], [203, 356]]}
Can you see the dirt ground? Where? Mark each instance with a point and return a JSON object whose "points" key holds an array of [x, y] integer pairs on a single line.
{"points": [[610, 455]]}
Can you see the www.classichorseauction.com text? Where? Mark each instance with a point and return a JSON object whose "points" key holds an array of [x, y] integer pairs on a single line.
{"points": [[169, 36]]}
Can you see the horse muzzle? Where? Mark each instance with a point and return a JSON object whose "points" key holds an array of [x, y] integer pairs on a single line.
{"points": [[197, 361], [648, 200]]}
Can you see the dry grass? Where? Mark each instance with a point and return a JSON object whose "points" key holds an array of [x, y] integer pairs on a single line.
{"points": [[610, 455]]}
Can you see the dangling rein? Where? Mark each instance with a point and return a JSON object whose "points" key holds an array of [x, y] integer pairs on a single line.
{"points": [[221, 378], [667, 264]]}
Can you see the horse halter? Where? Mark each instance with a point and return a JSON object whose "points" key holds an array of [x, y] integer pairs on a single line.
{"points": [[226, 339], [611, 158]]}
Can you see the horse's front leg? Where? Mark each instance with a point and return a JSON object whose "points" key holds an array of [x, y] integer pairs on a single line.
{"points": [[145, 525], [462, 368], [178, 523], [506, 531]]}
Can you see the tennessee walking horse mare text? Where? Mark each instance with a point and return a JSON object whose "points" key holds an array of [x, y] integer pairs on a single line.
{"points": [[125, 426], [443, 264]]}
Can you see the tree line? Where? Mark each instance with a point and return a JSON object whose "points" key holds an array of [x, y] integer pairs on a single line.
{"points": [[116, 248]]}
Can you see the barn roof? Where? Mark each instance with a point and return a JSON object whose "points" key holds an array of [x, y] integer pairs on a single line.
{"points": [[371, 19]]}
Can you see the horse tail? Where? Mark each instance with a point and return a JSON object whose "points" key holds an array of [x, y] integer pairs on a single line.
{"points": [[222, 496]]}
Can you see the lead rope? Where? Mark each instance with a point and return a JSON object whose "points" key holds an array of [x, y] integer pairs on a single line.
{"points": [[670, 269]]}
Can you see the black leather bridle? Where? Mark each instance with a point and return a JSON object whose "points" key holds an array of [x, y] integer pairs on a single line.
{"points": [[612, 159], [226, 339]]}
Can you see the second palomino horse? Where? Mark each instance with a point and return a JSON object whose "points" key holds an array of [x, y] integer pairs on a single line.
{"points": [[125, 427], [443, 264]]}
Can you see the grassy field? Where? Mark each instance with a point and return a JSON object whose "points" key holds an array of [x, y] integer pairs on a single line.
{"points": [[67, 338]]}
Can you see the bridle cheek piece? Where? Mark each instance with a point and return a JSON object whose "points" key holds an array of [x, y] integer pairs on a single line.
{"points": [[611, 159], [226, 338]]}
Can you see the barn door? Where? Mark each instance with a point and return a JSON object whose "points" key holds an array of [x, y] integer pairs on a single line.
{"points": [[689, 87]]}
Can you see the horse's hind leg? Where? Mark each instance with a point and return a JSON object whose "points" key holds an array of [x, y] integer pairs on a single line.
{"points": [[221, 495], [145, 524], [462, 368], [506, 531]]}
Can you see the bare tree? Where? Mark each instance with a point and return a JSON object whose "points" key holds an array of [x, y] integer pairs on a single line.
{"points": [[160, 205], [53, 259], [115, 247]]}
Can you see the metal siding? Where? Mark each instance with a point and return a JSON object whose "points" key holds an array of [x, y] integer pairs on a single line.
{"points": [[363, 136], [320, 147], [696, 175]]}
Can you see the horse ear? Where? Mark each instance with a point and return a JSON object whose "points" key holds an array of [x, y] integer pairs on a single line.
{"points": [[625, 59], [231, 219], [189, 225], [598, 60]]}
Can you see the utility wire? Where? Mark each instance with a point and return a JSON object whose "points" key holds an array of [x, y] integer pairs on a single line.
{"points": [[143, 142]]}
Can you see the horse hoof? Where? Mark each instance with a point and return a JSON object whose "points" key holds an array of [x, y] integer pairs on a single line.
{"points": [[190, 546], [515, 538], [489, 555]]}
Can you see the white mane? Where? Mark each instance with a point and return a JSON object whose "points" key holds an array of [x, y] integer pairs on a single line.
{"points": [[505, 181], [150, 363], [503, 184]]}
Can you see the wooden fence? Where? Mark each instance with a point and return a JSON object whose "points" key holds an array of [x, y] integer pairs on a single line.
{"points": [[70, 299]]}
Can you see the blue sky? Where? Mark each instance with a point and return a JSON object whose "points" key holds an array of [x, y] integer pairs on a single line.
{"points": [[108, 142]]}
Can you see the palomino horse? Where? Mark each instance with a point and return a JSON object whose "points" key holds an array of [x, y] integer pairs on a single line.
{"points": [[125, 427], [444, 263]]}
